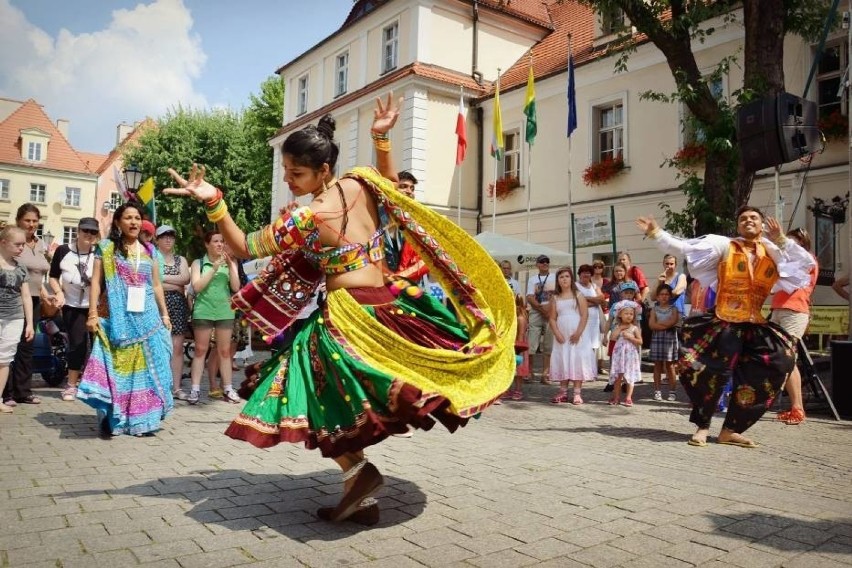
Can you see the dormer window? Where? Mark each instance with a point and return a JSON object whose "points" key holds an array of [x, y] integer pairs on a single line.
{"points": [[34, 151], [34, 143], [302, 95]]}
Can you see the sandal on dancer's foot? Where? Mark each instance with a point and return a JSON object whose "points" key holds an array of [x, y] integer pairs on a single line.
{"points": [[368, 481], [738, 440], [367, 516], [697, 442], [792, 417]]}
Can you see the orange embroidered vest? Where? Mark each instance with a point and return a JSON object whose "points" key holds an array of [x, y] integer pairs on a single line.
{"points": [[743, 286]]}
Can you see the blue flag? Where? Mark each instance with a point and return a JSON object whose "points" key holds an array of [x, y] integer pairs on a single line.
{"points": [[572, 98]]}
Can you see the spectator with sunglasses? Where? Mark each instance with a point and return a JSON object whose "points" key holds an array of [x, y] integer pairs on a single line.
{"points": [[70, 280]]}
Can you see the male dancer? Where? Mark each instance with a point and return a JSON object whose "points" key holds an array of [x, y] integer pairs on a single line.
{"points": [[735, 339]]}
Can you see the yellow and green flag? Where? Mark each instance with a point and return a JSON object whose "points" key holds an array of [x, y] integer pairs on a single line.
{"points": [[529, 109], [497, 144], [146, 197]]}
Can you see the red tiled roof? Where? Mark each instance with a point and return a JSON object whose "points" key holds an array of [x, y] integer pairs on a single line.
{"points": [[550, 55], [434, 72], [60, 155], [134, 135], [93, 161]]}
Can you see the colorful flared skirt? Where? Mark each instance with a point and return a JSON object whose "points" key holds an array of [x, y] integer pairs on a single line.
{"points": [[368, 365], [130, 385]]}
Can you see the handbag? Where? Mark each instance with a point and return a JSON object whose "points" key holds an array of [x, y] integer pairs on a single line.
{"points": [[604, 325], [273, 300]]}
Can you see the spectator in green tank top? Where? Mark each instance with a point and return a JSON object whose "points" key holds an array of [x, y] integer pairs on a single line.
{"points": [[214, 278]]}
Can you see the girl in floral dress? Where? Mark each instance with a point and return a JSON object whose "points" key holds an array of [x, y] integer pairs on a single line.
{"points": [[625, 366]]}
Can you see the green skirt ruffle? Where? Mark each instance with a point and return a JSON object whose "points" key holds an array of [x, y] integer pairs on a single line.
{"points": [[318, 391]]}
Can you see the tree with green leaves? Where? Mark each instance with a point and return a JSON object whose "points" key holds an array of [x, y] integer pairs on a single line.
{"points": [[233, 145], [673, 27]]}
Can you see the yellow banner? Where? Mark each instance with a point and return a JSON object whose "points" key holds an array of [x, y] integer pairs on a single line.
{"points": [[825, 320]]}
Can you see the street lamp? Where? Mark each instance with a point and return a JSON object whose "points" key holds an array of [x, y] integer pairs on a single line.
{"points": [[132, 178], [48, 240]]}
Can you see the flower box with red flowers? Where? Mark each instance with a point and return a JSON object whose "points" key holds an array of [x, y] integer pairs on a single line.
{"points": [[690, 155], [504, 187], [835, 126], [603, 171]]}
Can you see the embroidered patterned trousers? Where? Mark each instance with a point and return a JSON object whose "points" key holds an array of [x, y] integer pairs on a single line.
{"points": [[756, 357]]}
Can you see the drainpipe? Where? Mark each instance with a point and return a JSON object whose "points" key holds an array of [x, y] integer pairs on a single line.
{"points": [[474, 68], [480, 165]]}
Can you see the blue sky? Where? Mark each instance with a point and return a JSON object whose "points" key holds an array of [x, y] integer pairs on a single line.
{"points": [[101, 62]]}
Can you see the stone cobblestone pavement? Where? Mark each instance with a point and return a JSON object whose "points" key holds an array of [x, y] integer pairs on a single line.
{"points": [[529, 484]]}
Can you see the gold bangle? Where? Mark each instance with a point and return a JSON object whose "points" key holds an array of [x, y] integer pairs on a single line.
{"points": [[653, 233], [382, 145]]}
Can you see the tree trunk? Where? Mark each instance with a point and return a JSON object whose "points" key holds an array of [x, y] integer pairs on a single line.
{"points": [[763, 70]]}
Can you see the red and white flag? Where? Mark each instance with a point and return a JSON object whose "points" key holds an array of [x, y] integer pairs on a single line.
{"points": [[461, 132]]}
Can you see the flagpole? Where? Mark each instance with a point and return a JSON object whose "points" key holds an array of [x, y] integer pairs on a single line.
{"points": [[496, 163], [459, 174], [529, 169], [570, 174]]}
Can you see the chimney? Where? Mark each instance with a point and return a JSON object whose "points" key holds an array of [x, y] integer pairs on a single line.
{"points": [[122, 132], [62, 125]]}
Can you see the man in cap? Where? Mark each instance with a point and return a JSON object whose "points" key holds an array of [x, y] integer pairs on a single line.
{"points": [[540, 288]]}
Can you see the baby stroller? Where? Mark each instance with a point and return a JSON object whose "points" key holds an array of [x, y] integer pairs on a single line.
{"points": [[50, 352]]}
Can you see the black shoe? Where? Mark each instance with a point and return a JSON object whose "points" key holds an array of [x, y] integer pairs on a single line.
{"points": [[104, 430], [609, 387]]}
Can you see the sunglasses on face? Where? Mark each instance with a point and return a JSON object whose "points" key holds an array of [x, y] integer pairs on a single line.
{"points": [[89, 231]]}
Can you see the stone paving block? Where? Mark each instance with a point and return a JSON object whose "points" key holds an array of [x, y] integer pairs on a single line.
{"points": [[479, 528], [530, 532], [624, 527], [435, 537], [804, 534], [601, 556], [503, 559], [45, 552], [115, 542], [640, 544], [443, 555], [32, 525], [338, 556], [775, 544], [385, 548], [723, 541], [750, 557], [165, 551], [486, 544], [570, 522], [165, 533], [751, 529], [693, 552], [813, 560], [588, 536], [547, 548], [211, 543], [111, 559], [279, 546], [656, 560], [218, 559]]}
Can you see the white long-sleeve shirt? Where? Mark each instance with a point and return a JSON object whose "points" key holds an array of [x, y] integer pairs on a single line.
{"points": [[704, 254]]}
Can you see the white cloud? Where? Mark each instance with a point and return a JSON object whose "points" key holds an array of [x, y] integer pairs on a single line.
{"points": [[143, 63]]}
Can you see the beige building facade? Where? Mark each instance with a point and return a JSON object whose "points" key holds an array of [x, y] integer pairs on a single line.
{"points": [[39, 166], [427, 50]]}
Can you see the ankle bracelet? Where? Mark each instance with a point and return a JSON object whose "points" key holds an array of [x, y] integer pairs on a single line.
{"points": [[354, 470]]}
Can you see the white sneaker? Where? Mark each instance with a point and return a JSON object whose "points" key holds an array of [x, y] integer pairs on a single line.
{"points": [[193, 397], [658, 395], [232, 396], [672, 397]]}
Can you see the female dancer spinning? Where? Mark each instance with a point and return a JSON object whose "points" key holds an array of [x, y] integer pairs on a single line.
{"points": [[368, 363]]}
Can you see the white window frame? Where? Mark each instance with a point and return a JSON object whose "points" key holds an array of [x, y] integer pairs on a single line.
{"points": [[826, 108], [302, 85], [34, 151], [115, 200], [341, 73], [4, 189], [69, 234], [512, 163], [612, 23], [39, 232], [38, 190], [390, 47], [688, 134], [72, 196], [596, 108]]}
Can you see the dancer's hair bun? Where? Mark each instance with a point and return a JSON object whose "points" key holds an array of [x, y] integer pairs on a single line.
{"points": [[327, 126]]}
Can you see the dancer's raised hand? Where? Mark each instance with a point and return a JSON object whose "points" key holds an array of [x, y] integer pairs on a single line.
{"points": [[647, 224], [193, 186], [773, 229], [385, 114]]}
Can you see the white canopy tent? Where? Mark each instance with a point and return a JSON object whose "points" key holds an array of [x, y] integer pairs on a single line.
{"points": [[522, 254]]}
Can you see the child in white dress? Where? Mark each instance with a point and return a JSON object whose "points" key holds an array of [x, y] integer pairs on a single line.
{"points": [[572, 358], [626, 364]]}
